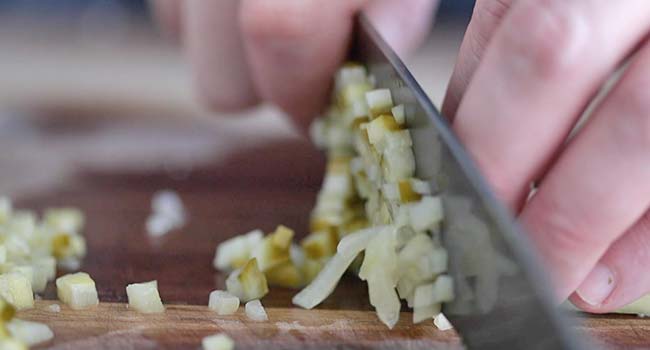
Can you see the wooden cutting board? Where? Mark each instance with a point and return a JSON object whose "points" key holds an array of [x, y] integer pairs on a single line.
{"points": [[261, 187]]}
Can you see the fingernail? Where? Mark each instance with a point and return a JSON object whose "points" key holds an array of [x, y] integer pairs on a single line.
{"points": [[598, 285]]}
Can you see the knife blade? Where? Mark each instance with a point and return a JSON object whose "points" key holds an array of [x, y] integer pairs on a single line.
{"points": [[502, 294]]}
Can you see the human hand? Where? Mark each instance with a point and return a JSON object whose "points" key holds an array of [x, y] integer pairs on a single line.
{"points": [[527, 69], [284, 51]]}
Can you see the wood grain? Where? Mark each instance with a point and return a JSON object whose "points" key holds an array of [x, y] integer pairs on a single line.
{"points": [[113, 325], [257, 187]]}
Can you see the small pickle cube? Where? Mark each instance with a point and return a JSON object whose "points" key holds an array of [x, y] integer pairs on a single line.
{"points": [[16, 289], [223, 302], [399, 113], [286, 275], [247, 283], [235, 252], [218, 342], [35, 275], [77, 290], [282, 237], [144, 297], [274, 250], [379, 127], [30, 333], [320, 244], [255, 311], [379, 102], [406, 192]]}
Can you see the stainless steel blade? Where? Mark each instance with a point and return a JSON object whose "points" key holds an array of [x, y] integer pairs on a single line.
{"points": [[502, 295]]}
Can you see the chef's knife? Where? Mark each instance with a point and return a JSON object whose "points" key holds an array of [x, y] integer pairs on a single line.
{"points": [[502, 295]]}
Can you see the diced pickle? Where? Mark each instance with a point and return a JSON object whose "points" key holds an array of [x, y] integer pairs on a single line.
{"points": [[406, 192], [77, 290], [16, 289], [144, 297], [285, 275], [282, 237], [247, 283], [320, 244]]}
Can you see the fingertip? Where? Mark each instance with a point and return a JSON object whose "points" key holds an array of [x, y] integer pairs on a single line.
{"points": [[294, 49], [213, 46], [404, 24]]}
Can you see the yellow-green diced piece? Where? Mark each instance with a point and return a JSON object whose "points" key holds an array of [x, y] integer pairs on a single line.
{"points": [[406, 192], [353, 92], [248, 283], [286, 275], [77, 290], [269, 255], [16, 288], [320, 244], [379, 127], [144, 297], [282, 237], [7, 311]]}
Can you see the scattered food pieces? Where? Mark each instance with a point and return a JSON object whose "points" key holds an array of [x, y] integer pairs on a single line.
{"points": [[32, 248], [30, 333], [77, 290], [168, 213], [373, 216], [218, 341], [255, 311], [144, 297], [223, 302]]}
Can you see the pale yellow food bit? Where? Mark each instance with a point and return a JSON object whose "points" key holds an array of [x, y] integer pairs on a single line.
{"points": [[77, 290], [218, 341], [223, 302], [17, 290], [286, 275], [144, 297]]}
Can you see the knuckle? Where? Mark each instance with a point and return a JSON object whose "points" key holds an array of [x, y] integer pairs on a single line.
{"points": [[566, 231], [546, 38], [263, 21], [485, 19], [489, 13]]}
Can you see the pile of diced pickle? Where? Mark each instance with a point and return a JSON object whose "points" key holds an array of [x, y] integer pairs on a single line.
{"points": [[30, 250], [372, 216]]}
